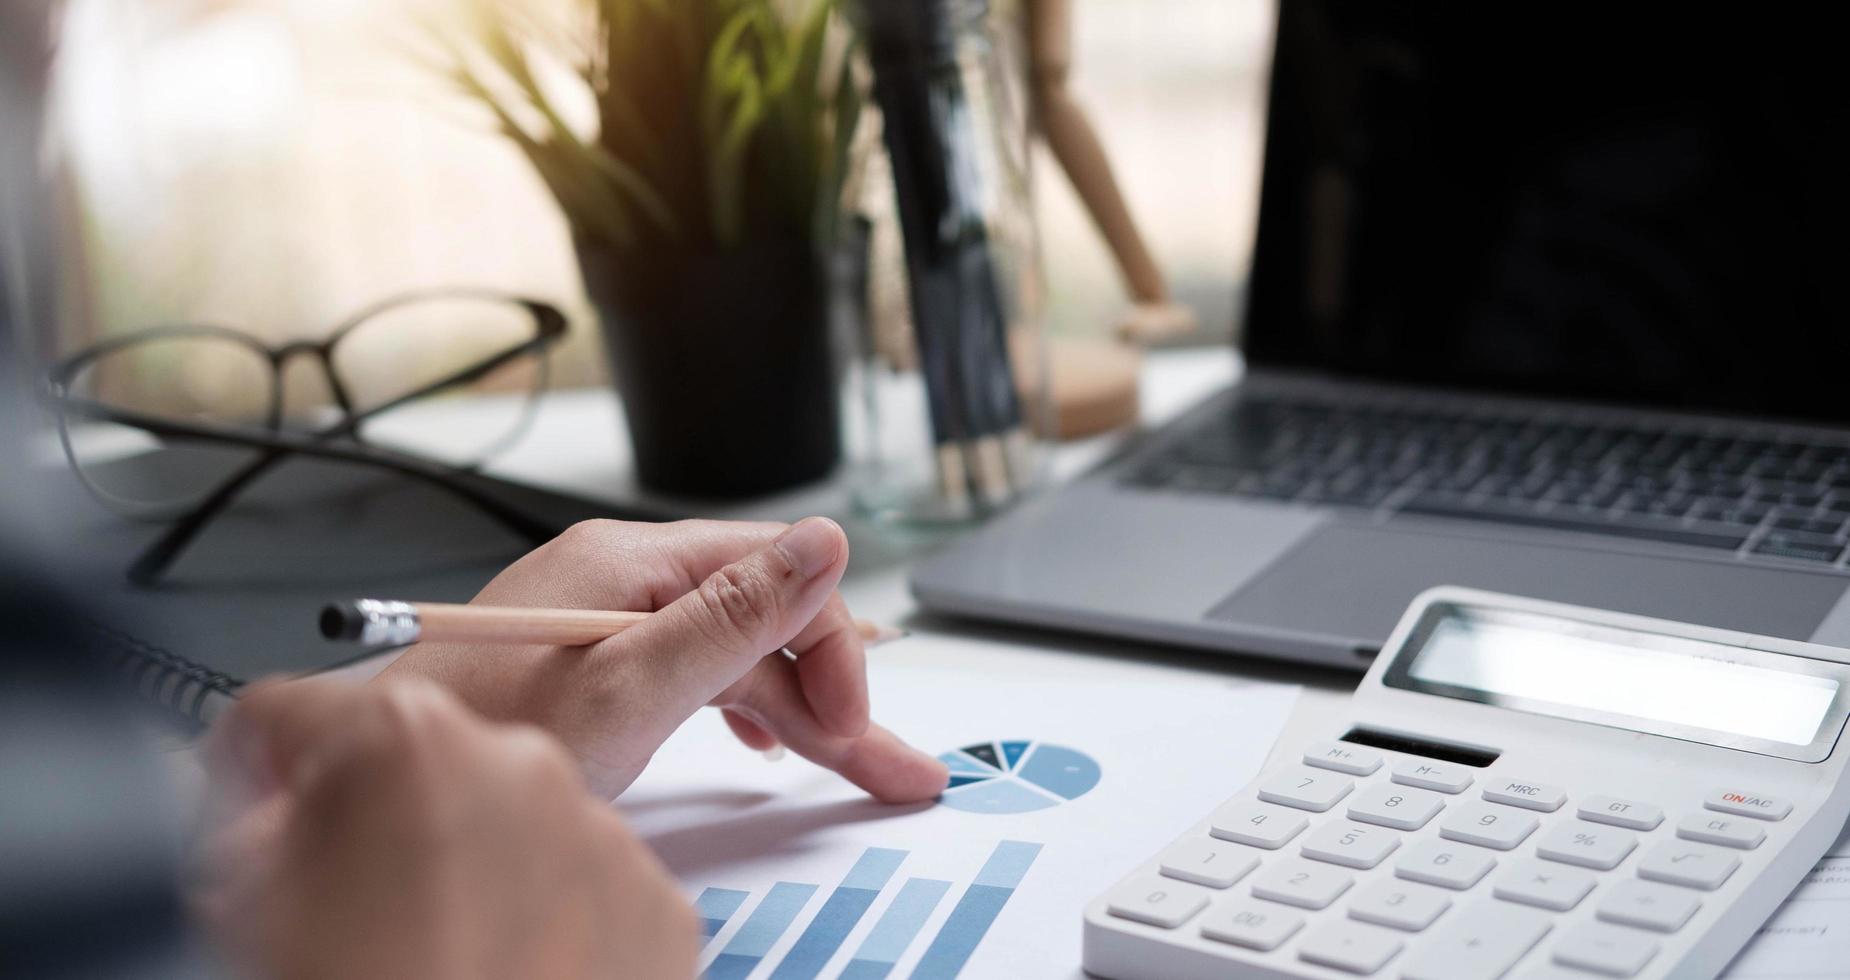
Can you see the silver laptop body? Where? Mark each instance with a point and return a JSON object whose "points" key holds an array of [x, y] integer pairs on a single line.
{"points": [[1534, 308]]}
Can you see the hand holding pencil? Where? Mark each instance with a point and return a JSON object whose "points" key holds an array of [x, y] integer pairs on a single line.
{"points": [[723, 597]]}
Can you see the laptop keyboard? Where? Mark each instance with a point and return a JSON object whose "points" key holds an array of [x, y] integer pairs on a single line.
{"points": [[1757, 495]]}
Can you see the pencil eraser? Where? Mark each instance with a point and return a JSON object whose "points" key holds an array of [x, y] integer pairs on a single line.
{"points": [[342, 621]]}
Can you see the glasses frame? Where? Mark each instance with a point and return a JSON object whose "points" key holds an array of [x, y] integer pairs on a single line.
{"points": [[341, 441]]}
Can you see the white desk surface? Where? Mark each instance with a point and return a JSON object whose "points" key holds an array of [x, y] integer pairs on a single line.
{"points": [[577, 445]]}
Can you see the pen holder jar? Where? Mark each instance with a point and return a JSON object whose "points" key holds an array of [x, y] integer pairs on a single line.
{"points": [[935, 274]]}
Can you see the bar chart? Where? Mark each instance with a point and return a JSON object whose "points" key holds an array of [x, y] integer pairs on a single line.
{"points": [[894, 932]]}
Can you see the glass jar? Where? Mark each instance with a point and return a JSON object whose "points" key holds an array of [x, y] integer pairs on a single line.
{"points": [[936, 272]]}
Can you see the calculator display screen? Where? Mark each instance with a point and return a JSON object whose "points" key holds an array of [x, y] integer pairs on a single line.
{"points": [[1670, 685]]}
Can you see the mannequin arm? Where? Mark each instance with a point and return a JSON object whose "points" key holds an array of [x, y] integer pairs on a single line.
{"points": [[1075, 144]]}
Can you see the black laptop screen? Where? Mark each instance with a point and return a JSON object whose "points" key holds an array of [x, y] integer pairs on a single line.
{"points": [[1588, 201]]}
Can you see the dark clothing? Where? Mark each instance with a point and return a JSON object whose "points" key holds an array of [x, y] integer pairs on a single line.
{"points": [[89, 883]]}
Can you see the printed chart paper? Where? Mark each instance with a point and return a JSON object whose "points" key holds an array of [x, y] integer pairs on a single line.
{"points": [[1810, 935], [1061, 786]]}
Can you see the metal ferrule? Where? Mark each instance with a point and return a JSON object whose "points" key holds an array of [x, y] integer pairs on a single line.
{"points": [[387, 622]]}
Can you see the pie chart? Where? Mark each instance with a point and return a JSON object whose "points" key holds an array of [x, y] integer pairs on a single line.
{"points": [[1016, 777]]}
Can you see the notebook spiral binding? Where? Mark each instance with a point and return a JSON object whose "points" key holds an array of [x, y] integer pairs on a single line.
{"points": [[193, 691]]}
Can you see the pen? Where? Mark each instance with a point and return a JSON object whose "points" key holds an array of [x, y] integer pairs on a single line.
{"points": [[389, 622]]}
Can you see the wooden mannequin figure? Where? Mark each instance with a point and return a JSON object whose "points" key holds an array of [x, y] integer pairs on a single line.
{"points": [[1069, 133]]}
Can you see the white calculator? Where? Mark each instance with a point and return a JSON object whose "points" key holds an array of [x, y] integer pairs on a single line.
{"points": [[1522, 789]]}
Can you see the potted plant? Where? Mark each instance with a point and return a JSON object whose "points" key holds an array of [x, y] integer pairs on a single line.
{"points": [[699, 193]]}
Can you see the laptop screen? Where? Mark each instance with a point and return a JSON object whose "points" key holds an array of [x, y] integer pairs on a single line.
{"points": [[1587, 201]]}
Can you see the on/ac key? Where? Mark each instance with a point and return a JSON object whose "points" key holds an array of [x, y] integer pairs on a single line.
{"points": [[1748, 804]]}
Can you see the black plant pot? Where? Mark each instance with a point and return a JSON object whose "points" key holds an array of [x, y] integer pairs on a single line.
{"points": [[724, 366]]}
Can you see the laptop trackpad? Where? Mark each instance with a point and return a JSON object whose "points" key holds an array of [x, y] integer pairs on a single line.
{"points": [[1353, 583]]}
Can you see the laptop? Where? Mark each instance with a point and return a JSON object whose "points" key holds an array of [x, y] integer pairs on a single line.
{"points": [[1546, 304]]}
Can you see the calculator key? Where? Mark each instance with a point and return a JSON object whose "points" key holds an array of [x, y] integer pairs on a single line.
{"points": [[1488, 825], [1255, 925], [1343, 757], [1550, 971], [1692, 865], [1621, 813], [1351, 845], [1399, 905], [1246, 822], [1306, 788], [1302, 883], [1447, 865], [1349, 947], [1588, 845], [1442, 776], [1737, 832], [1157, 901], [1748, 804], [1648, 906], [1529, 796], [1395, 806], [1208, 862], [1481, 942], [1603, 949], [1543, 885]]}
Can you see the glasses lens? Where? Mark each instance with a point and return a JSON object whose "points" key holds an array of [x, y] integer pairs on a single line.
{"points": [[410, 346], [199, 378]]}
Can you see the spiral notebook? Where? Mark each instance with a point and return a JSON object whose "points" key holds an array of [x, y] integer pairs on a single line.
{"points": [[241, 603]]}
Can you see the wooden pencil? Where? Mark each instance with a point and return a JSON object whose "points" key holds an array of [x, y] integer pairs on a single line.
{"points": [[387, 622]]}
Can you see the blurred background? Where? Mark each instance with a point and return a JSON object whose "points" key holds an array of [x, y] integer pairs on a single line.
{"points": [[276, 164]]}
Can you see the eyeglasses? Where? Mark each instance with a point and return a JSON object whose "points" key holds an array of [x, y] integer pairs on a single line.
{"points": [[220, 392]]}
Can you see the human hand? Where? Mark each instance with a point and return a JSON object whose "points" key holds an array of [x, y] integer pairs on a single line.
{"points": [[385, 831], [728, 598]]}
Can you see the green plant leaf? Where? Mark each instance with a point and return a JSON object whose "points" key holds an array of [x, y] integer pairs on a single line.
{"points": [[713, 124], [591, 213], [731, 109], [833, 175], [577, 154]]}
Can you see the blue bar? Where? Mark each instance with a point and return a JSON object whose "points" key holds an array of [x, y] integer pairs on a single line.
{"points": [[844, 907], [761, 931], [874, 869], [976, 911], [716, 906], [1008, 864], [897, 927]]}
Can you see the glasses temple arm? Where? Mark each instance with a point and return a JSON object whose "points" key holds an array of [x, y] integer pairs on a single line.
{"points": [[463, 377]]}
